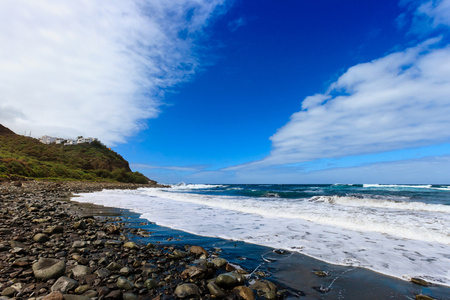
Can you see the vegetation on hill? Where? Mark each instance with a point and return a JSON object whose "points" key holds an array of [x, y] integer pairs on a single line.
{"points": [[22, 156]]}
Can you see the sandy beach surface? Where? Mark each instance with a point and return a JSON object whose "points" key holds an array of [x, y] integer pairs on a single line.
{"points": [[54, 248]]}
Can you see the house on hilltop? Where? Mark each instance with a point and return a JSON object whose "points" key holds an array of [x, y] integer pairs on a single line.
{"points": [[67, 142], [47, 139]]}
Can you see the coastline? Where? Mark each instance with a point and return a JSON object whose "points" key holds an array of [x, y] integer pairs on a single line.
{"points": [[295, 274]]}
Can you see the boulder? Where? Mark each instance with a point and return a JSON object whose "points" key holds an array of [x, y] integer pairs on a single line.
{"points": [[48, 268], [9, 292], [187, 290], [64, 284], [129, 296], [79, 244], [219, 262], [102, 273], [82, 289], [419, 281], [75, 297], [265, 289]]}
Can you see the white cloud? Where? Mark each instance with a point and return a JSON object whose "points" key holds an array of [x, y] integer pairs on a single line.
{"points": [[437, 10], [395, 102], [94, 68]]}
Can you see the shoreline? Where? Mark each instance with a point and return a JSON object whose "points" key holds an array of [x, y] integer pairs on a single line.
{"points": [[298, 274]]}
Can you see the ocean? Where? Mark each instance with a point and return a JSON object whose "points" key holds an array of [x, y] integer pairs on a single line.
{"points": [[397, 230]]}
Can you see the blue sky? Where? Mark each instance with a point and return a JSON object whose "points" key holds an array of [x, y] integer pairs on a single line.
{"points": [[238, 91]]}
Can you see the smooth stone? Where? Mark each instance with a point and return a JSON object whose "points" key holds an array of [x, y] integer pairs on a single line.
{"points": [[114, 266], [179, 254], [16, 244], [197, 271], [41, 238], [9, 292], [129, 296], [198, 250], [102, 273], [75, 297], [47, 268], [82, 289], [116, 294], [219, 262], [54, 229], [54, 296], [91, 293], [244, 292], [64, 284], [150, 284], [420, 281], [113, 243], [124, 284], [187, 290], [227, 280], [80, 271], [131, 245], [79, 244], [125, 271], [265, 288], [80, 225], [424, 297], [216, 291]]}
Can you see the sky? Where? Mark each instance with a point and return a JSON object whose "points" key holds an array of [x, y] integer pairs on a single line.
{"points": [[234, 91]]}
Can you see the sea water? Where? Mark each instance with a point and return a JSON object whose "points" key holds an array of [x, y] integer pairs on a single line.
{"points": [[398, 230]]}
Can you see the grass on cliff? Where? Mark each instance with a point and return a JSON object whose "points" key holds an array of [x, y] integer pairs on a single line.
{"points": [[27, 157]]}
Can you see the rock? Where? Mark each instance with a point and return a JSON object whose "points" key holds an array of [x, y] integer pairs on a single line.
{"points": [[321, 273], [124, 284], [419, 281], [129, 296], [227, 280], [64, 284], [47, 268], [219, 262], [116, 294], [79, 225], [79, 244], [197, 271], [178, 254], [131, 245], [114, 266], [216, 291], [265, 288], [41, 238], [9, 292], [90, 293], [54, 296], [75, 297], [80, 271], [150, 284], [16, 244], [187, 290], [113, 243], [125, 271], [198, 250], [82, 289], [244, 293], [424, 297], [54, 229], [103, 273]]}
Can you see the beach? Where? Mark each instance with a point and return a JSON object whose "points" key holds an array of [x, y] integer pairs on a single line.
{"points": [[157, 260]]}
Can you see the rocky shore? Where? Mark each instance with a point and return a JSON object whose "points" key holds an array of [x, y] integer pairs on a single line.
{"points": [[50, 249]]}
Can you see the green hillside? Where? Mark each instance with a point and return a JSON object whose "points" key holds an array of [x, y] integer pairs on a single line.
{"points": [[22, 156]]}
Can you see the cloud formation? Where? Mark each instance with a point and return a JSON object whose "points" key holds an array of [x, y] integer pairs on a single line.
{"points": [[398, 101], [94, 68]]}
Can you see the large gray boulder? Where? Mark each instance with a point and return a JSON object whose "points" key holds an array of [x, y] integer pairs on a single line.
{"points": [[48, 268], [187, 290]]}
